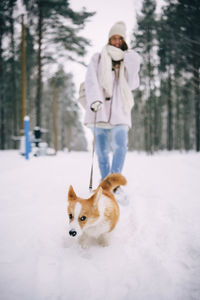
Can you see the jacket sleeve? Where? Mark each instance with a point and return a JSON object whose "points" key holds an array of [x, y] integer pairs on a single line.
{"points": [[92, 87], [132, 61]]}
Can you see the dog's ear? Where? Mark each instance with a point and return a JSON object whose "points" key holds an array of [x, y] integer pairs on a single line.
{"points": [[71, 194], [97, 196]]}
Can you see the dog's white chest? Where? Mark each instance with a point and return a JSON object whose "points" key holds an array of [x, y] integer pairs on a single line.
{"points": [[98, 229], [102, 225]]}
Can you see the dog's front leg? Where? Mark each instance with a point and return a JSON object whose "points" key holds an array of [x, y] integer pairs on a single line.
{"points": [[103, 239], [84, 241]]}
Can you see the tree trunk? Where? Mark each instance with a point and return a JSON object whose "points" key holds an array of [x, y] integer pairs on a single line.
{"points": [[146, 131], [169, 116], [177, 121], [62, 124], [151, 123], [15, 127], [187, 123], [196, 81], [2, 107], [149, 103], [55, 117], [39, 78], [157, 123], [23, 76]]}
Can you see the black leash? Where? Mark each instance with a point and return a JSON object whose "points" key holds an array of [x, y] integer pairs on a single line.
{"points": [[93, 150]]}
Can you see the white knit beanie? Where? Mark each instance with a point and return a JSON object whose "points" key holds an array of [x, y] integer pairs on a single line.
{"points": [[118, 28]]}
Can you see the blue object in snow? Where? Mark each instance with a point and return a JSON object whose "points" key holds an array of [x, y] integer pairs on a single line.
{"points": [[26, 134]]}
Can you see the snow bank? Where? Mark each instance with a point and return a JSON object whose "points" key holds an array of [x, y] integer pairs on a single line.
{"points": [[154, 252]]}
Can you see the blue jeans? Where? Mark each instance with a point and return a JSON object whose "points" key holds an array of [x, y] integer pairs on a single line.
{"points": [[116, 139]]}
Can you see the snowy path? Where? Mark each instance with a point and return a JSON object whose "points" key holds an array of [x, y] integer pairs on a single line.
{"points": [[155, 250]]}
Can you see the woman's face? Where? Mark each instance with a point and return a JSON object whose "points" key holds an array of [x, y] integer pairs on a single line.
{"points": [[116, 41]]}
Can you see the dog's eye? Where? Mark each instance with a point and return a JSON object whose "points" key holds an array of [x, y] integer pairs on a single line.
{"points": [[83, 218], [70, 216]]}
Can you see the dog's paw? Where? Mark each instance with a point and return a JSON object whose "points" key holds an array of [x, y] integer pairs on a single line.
{"points": [[103, 240], [84, 241], [84, 245]]}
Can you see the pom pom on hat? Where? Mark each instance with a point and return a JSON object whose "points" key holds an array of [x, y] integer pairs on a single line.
{"points": [[118, 28]]}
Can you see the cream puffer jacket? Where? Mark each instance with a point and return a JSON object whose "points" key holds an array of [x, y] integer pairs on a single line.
{"points": [[112, 112]]}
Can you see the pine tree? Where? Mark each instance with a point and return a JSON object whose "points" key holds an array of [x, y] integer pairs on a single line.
{"points": [[188, 14], [58, 26], [64, 127], [3, 31], [146, 45], [179, 47], [167, 54], [169, 97], [13, 88]]}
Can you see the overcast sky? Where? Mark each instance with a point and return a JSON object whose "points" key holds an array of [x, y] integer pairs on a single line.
{"points": [[108, 12]]}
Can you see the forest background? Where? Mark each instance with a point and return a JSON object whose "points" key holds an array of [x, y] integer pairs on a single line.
{"points": [[166, 114]]}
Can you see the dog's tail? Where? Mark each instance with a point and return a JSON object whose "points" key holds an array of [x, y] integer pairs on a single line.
{"points": [[112, 181]]}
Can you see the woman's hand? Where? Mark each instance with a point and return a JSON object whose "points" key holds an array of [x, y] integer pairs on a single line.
{"points": [[95, 106]]}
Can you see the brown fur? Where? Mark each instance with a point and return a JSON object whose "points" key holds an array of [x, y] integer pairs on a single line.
{"points": [[89, 210], [90, 205], [112, 181]]}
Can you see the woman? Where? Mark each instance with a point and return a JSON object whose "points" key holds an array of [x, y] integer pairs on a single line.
{"points": [[111, 76]]}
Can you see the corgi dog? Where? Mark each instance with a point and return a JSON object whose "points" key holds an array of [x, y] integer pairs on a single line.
{"points": [[96, 216]]}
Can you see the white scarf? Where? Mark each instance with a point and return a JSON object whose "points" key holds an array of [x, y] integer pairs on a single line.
{"points": [[108, 54]]}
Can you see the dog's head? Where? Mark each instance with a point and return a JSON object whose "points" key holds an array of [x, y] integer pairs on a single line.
{"points": [[82, 213]]}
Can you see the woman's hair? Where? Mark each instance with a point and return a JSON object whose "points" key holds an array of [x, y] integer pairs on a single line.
{"points": [[124, 46]]}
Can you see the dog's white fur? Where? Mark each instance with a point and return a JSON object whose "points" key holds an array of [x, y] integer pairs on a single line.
{"points": [[96, 216]]}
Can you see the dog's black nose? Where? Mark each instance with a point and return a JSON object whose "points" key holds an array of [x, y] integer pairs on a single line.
{"points": [[72, 232]]}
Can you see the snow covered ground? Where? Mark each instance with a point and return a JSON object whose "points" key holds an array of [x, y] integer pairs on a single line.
{"points": [[155, 250]]}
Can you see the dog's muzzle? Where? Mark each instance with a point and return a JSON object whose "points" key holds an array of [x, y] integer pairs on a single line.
{"points": [[72, 232]]}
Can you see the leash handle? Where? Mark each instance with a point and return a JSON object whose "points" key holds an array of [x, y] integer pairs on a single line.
{"points": [[93, 150]]}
